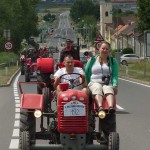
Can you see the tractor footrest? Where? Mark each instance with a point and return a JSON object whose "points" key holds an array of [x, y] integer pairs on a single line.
{"points": [[45, 135]]}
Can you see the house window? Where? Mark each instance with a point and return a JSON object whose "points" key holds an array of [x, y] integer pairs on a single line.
{"points": [[106, 13]]}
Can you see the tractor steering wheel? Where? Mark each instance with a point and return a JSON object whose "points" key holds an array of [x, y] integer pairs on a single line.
{"points": [[73, 79]]}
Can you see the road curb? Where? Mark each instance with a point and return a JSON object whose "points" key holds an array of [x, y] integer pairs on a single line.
{"points": [[10, 80]]}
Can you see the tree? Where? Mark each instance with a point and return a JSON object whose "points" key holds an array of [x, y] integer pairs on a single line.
{"points": [[18, 16], [143, 15], [82, 8]]}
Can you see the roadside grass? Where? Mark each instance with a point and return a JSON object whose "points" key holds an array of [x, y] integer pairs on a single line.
{"points": [[6, 73], [8, 66], [139, 71]]}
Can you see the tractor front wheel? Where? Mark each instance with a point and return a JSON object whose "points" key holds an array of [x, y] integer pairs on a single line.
{"points": [[113, 141]]}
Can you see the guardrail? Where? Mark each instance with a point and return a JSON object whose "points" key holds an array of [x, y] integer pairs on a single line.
{"points": [[3, 64]]}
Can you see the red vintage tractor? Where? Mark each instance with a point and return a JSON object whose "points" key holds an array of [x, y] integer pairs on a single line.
{"points": [[72, 126]]}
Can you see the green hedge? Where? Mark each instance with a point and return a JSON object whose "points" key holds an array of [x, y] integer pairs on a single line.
{"points": [[6, 57]]}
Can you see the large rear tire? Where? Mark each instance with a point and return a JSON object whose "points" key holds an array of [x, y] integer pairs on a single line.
{"points": [[113, 141], [24, 141], [47, 101], [28, 123], [27, 77], [108, 124], [22, 69], [27, 74]]}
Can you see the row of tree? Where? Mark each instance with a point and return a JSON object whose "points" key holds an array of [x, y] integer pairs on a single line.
{"points": [[19, 16], [85, 14]]}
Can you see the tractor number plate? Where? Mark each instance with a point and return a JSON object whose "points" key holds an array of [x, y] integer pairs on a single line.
{"points": [[74, 108]]}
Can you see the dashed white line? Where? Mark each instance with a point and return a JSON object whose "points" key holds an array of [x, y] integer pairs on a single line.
{"points": [[18, 105], [17, 116], [15, 133], [17, 101], [119, 107], [17, 98], [17, 123], [14, 144], [17, 110], [16, 94]]}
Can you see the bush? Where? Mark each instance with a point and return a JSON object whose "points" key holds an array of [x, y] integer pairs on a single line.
{"points": [[114, 51], [2, 41], [6, 57], [127, 51]]}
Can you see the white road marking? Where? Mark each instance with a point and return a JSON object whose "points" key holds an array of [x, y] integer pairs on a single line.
{"points": [[135, 82], [119, 107], [18, 105], [17, 116], [15, 133], [17, 110], [16, 94], [17, 101], [17, 123], [14, 144], [17, 97]]}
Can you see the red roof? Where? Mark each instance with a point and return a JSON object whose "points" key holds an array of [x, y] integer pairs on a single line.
{"points": [[118, 1]]}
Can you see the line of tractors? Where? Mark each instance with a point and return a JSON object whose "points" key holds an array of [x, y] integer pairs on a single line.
{"points": [[72, 125]]}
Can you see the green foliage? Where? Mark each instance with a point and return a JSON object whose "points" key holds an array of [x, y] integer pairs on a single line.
{"points": [[6, 57], [127, 51], [113, 52], [49, 17], [143, 14], [2, 41], [82, 8], [18, 16]]}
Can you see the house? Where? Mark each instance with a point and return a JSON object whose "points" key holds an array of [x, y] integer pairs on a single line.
{"points": [[123, 33]]}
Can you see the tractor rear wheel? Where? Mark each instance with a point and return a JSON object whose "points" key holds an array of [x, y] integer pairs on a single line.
{"points": [[22, 69], [27, 74], [28, 123], [24, 141]]}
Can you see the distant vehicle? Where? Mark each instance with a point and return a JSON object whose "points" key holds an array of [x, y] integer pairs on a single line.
{"points": [[57, 36], [129, 58], [50, 33], [83, 59], [63, 37]]}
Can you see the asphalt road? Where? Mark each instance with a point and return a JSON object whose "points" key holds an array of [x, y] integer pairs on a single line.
{"points": [[133, 123]]}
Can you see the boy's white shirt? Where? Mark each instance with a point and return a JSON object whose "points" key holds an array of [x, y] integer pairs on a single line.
{"points": [[62, 71]]}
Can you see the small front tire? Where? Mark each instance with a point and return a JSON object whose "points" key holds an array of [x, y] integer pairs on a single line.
{"points": [[113, 141]]}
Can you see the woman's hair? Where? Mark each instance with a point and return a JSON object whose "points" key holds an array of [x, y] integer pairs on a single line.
{"points": [[107, 43]]}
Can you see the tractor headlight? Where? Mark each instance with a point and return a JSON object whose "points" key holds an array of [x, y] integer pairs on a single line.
{"points": [[37, 113], [102, 114]]}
